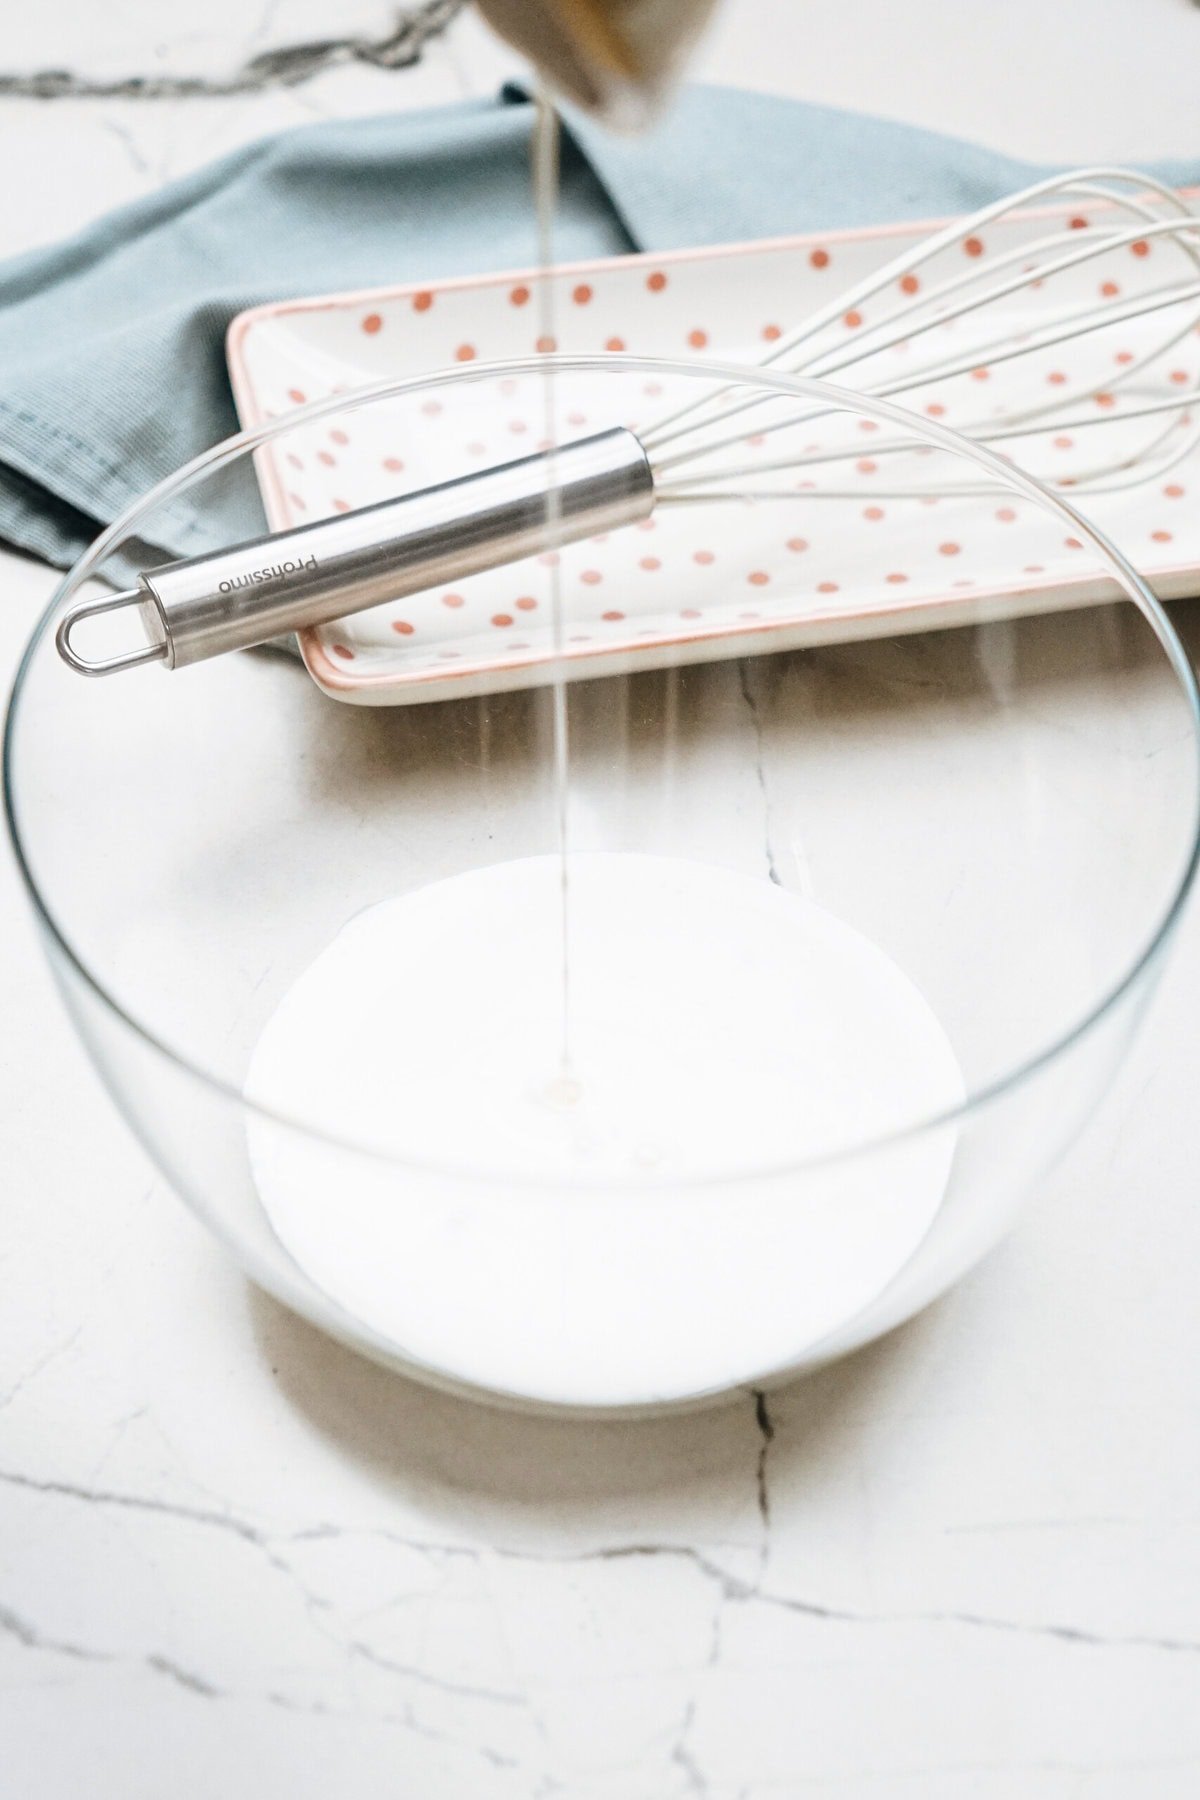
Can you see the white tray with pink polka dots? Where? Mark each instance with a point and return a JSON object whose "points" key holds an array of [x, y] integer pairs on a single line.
{"points": [[832, 554]]}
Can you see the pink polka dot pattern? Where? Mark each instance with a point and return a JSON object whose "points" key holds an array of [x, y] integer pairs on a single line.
{"points": [[761, 572]]}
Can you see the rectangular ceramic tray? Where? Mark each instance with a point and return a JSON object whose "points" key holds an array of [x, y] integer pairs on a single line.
{"points": [[692, 584]]}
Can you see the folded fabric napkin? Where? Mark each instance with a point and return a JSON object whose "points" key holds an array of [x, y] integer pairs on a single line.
{"points": [[112, 345]]}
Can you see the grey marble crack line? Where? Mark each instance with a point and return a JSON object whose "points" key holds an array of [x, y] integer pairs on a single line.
{"points": [[682, 1757], [27, 1635], [43, 1362], [732, 1585], [766, 1432], [463, 1689], [289, 65], [759, 766], [22, 1632], [739, 1592], [12, 1625], [315, 1604], [1065, 1634], [130, 145], [196, 1515], [195, 1684], [733, 1588], [406, 1720], [260, 1541]]}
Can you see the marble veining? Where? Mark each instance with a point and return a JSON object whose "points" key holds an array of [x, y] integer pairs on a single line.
{"points": [[283, 65]]}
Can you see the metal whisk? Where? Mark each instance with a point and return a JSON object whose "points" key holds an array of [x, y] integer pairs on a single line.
{"points": [[951, 329], [935, 343]]}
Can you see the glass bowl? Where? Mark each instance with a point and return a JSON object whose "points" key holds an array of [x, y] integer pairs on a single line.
{"points": [[856, 932]]}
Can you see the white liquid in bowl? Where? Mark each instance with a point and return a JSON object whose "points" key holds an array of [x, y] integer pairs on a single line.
{"points": [[611, 1248]]}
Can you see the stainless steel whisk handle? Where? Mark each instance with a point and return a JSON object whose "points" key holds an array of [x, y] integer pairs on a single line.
{"points": [[244, 595]]}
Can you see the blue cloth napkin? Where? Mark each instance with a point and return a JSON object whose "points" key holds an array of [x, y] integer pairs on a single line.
{"points": [[112, 345]]}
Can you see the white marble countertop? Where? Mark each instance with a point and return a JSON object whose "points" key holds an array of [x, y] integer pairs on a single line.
{"points": [[236, 1559]]}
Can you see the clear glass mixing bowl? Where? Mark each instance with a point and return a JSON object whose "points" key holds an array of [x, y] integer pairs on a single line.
{"points": [[1006, 810]]}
